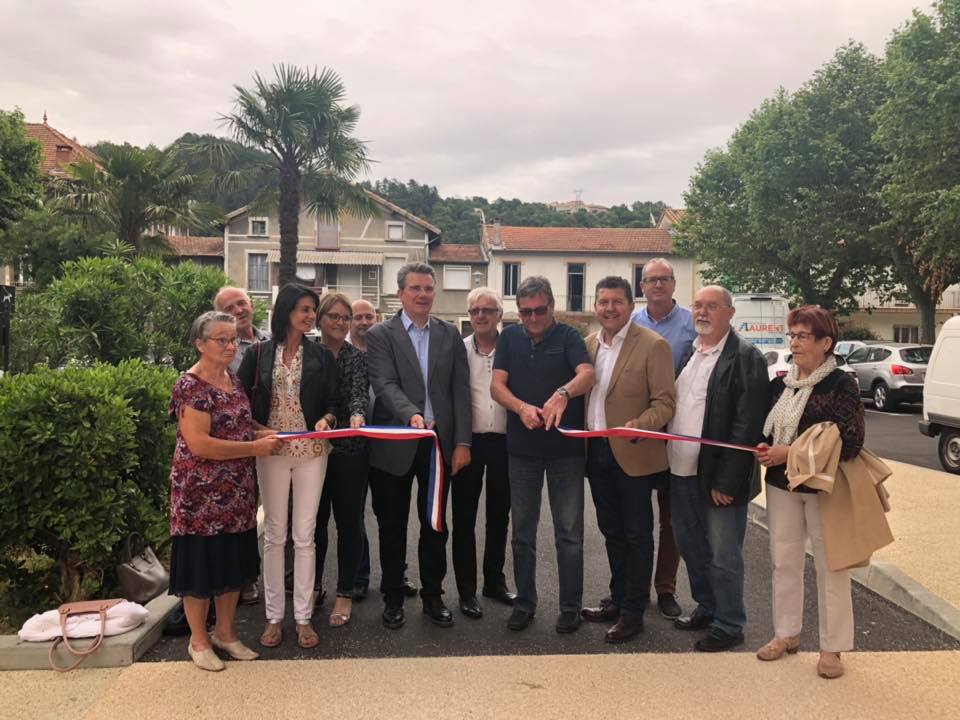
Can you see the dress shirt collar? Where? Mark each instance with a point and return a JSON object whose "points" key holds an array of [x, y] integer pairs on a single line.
{"points": [[621, 333], [673, 311], [408, 321], [715, 349]]}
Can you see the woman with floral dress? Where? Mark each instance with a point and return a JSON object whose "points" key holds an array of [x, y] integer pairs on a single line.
{"points": [[213, 498]]}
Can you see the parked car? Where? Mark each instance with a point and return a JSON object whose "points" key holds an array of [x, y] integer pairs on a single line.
{"points": [[941, 396], [778, 363], [891, 373], [845, 347]]}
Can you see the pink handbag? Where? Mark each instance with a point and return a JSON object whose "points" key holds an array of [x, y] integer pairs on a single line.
{"points": [[80, 608]]}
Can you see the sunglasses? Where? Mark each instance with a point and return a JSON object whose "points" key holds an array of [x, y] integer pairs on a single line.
{"points": [[539, 311], [475, 311]]}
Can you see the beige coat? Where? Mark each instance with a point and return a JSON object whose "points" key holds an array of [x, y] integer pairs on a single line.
{"points": [[853, 506], [641, 388]]}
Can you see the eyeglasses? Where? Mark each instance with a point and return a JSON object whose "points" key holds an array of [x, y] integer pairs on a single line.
{"points": [[475, 311], [338, 318], [801, 336], [709, 307], [223, 342], [658, 280], [539, 311]]}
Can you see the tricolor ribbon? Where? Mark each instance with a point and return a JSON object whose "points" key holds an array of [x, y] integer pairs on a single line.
{"points": [[435, 484], [635, 433]]}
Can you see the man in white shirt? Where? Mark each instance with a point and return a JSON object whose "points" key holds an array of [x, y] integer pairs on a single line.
{"points": [[634, 388], [489, 453], [722, 394]]}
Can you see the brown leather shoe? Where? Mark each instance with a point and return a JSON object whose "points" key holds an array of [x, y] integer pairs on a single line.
{"points": [[775, 649], [829, 665], [607, 612], [628, 626]]}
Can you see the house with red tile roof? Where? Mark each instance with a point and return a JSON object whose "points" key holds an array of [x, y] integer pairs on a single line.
{"points": [[58, 150], [573, 259], [459, 268]]}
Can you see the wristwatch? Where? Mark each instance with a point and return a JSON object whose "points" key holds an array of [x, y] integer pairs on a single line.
{"points": [[562, 390]]}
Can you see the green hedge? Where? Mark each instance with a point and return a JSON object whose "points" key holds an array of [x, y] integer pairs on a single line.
{"points": [[84, 460]]}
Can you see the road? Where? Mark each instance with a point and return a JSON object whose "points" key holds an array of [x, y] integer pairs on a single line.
{"points": [[880, 625], [895, 436]]}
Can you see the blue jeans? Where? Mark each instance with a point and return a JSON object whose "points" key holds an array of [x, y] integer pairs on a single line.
{"points": [[565, 490], [710, 539]]}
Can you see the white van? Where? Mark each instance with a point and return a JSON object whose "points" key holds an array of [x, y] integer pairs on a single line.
{"points": [[761, 318], [941, 395]]}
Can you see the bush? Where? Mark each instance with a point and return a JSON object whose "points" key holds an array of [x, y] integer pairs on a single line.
{"points": [[858, 333], [108, 309], [84, 461]]}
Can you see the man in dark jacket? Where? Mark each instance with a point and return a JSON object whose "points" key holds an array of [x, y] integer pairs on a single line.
{"points": [[419, 373], [722, 394]]}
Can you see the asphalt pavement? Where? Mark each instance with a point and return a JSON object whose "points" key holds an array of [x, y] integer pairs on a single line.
{"points": [[895, 435], [880, 625]]}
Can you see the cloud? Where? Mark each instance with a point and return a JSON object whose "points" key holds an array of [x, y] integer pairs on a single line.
{"points": [[520, 99]]}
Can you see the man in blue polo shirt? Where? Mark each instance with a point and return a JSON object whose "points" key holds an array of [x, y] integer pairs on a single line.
{"points": [[540, 374], [675, 325]]}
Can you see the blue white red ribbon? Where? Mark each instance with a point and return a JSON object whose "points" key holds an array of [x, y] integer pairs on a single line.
{"points": [[635, 433], [435, 484]]}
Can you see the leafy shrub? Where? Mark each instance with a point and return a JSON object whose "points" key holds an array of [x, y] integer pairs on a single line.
{"points": [[858, 333], [108, 309], [84, 461]]}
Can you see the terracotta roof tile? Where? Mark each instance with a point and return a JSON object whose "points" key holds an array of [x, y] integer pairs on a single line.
{"points": [[574, 239], [190, 246], [671, 216], [449, 252], [57, 149]]}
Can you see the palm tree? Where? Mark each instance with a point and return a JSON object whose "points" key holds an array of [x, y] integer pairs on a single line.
{"points": [[299, 119], [139, 193]]}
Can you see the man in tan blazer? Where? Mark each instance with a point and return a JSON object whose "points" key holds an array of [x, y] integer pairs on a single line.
{"points": [[634, 388]]}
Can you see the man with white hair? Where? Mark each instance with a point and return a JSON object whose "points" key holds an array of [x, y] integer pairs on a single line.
{"points": [[489, 453], [722, 394]]}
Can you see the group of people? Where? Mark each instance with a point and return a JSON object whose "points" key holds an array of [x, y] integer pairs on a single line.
{"points": [[496, 402]]}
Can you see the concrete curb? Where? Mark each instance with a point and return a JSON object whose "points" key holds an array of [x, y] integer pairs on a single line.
{"points": [[116, 651], [891, 583]]}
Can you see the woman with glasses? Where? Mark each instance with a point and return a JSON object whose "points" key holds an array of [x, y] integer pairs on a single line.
{"points": [[213, 495], [293, 386], [344, 490], [813, 391]]}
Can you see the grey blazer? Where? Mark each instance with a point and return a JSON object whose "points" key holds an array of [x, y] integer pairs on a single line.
{"points": [[398, 386]]}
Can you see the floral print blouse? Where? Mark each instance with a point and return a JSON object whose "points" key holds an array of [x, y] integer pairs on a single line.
{"points": [[212, 497], [286, 415]]}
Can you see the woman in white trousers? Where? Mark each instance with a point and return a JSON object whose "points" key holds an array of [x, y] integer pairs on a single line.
{"points": [[813, 391], [293, 386]]}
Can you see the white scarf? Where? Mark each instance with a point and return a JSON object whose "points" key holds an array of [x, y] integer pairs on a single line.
{"points": [[784, 418]]}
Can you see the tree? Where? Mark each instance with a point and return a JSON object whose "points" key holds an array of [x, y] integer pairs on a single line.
{"points": [[919, 127], [299, 119], [790, 204], [40, 242], [20, 187], [138, 195]]}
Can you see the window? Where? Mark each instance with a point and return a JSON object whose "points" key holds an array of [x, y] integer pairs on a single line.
{"points": [[575, 273], [456, 277], [906, 333], [258, 273], [395, 232], [258, 227], [511, 279], [857, 356], [917, 355], [878, 354], [637, 282]]}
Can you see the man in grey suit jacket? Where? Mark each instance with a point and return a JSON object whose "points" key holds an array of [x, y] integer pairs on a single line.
{"points": [[419, 373]]}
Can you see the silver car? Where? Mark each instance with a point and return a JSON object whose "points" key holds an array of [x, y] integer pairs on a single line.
{"points": [[890, 373]]}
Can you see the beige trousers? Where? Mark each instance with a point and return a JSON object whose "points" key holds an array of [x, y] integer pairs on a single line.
{"points": [[793, 518]]}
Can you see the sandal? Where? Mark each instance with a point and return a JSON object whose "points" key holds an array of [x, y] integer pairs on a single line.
{"points": [[339, 618], [307, 637], [272, 635]]}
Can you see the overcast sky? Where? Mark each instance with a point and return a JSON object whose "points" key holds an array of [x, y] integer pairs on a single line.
{"points": [[498, 98]]}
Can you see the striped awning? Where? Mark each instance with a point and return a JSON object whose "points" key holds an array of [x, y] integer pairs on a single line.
{"points": [[328, 257]]}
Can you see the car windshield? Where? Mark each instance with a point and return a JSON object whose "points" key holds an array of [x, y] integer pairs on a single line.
{"points": [[920, 355]]}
